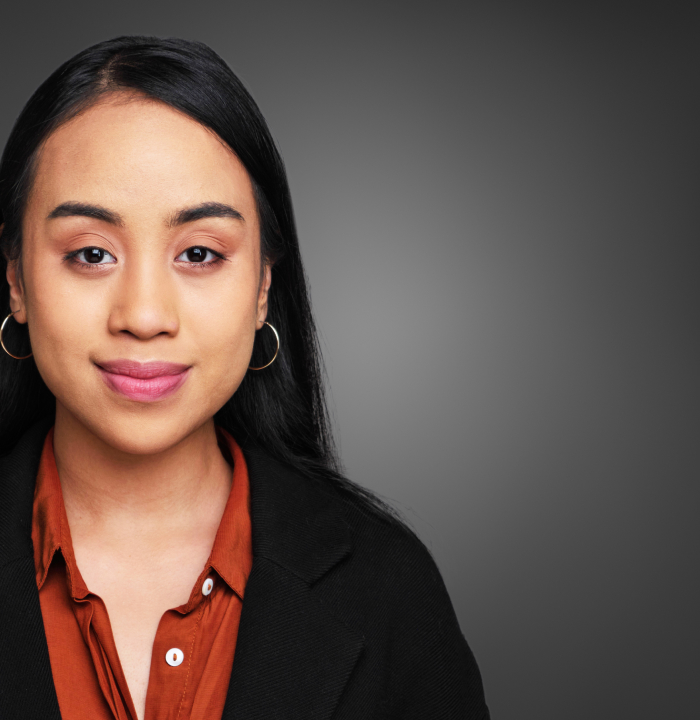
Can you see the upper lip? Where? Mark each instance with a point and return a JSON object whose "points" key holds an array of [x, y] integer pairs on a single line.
{"points": [[142, 370]]}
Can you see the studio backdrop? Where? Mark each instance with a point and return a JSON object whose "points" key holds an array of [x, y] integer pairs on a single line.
{"points": [[498, 210]]}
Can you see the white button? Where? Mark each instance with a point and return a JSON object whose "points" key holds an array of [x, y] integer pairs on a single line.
{"points": [[174, 657], [207, 587]]}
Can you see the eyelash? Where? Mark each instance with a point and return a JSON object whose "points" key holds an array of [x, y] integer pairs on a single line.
{"points": [[91, 267]]}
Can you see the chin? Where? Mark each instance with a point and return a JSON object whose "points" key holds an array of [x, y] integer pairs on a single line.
{"points": [[146, 435], [134, 428]]}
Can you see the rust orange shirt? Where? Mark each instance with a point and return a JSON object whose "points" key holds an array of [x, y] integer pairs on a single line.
{"points": [[194, 645]]}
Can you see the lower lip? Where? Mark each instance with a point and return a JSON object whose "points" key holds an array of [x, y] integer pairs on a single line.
{"points": [[144, 389]]}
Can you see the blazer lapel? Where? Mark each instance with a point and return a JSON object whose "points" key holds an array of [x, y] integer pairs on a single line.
{"points": [[293, 656], [26, 684]]}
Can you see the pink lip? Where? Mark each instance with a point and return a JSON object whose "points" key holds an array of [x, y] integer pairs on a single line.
{"points": [[144, 382]]}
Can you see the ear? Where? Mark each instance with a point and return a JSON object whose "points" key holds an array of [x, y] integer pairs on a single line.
{"points": [[16, 291], [262, 295]]}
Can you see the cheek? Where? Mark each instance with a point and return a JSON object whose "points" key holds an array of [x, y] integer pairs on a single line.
{"points": [[63, 323], [222, 338], [217, 321]]}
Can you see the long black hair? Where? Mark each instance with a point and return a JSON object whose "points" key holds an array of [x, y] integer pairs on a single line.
{"points": [[281, 409]]}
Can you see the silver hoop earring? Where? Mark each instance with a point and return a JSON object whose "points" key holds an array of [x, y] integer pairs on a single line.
{"points": [[274, 357], [2, 342]]}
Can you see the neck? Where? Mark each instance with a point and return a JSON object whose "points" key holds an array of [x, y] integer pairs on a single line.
{"points": [[104, 486]]}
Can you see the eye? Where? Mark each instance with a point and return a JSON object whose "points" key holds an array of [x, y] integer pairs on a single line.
{"points": [[199, 255], [92, 256]]}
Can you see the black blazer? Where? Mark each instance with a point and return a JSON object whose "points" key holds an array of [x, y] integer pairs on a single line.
{"points": [[345, 615]]}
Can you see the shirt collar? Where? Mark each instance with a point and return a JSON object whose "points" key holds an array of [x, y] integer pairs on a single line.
{"points": [[231, 554], [50, 531]]}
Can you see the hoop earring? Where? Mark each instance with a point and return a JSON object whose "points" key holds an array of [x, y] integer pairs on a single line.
{"points": [[2, 342], [274, 357]]}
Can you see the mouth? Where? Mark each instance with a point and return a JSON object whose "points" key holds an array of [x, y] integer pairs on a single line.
{"points": [[143, 382]]}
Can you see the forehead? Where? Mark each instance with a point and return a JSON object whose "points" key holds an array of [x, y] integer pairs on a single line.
{"points": [[129, 147]]}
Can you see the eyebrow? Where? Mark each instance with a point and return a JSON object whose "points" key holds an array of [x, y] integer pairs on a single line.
{"points": [[69, 209], [187, 215], [205, 210]]}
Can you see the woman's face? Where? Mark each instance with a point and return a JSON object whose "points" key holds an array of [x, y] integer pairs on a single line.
{"points": [[142, 283]]}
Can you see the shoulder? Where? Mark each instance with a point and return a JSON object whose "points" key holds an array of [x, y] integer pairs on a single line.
{"points": [[390, 588], [385, 545], [392, 566], [18, 471], [297, 519], [310, 525]]}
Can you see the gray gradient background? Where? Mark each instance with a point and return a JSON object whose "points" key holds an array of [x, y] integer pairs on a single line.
{"points": [[498, 207]]}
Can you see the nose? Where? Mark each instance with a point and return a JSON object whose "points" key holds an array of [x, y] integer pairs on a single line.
{"points": [[144, 303]]}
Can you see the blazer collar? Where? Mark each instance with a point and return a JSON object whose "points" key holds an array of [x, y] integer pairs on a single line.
{"points": [[297, 523], [293, 655]]}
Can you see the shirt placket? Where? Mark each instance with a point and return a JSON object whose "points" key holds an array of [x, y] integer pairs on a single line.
{"points": [[93, 619], [173, 656]]}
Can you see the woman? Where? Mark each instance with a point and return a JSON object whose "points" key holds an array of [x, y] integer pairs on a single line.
{"points": [[167, 451]]}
